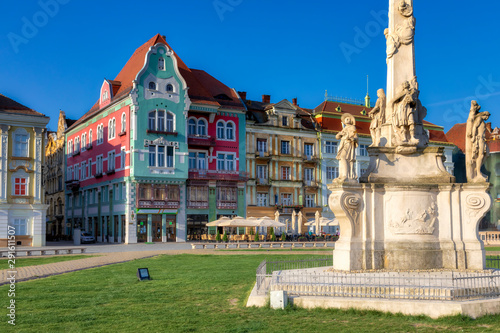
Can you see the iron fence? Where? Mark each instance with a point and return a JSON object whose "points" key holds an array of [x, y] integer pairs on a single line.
{"points": [[313, 280], [493, 262]]}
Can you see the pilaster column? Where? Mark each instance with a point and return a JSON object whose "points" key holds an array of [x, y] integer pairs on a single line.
{"points": [[37, 196], [4, 144]]}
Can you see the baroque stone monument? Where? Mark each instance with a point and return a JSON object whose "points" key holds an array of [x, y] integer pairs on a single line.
{"points": [[407, 212]]}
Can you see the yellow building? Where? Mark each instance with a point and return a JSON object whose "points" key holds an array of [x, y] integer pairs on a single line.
{"points": [[22, 208], [282, 158]]}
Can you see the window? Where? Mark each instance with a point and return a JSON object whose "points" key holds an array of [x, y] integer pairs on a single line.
{"points": [[145, 191], [173, 192], [191, 127], [152, 85], [170, 122], [220, 130], [111, 161], [170, 88], [89, 173], [122, 158], [202, 127], [124, 123], [192, 160], [230, 131], [21, 227], [285, 173], [100, 134], [84, 141], [308, 174], [286, 199], [21, 186], [197, 196], [84, 171], [262, 172], [284, 121], [152, 121], [68, 174], [21, 143], [308, 150], [76, 175], [160, 118], [112, 129], [330, 147], [161, 64], [124, 191], [362, 150], [77, 145], [225, 162], [105, 95], [98, 165], [161, 156], [262, 199], [310, 200], [285, 147], [161, 121], [332, 173], [227, 194], [70, 147], [262, 145], [90, 138]]}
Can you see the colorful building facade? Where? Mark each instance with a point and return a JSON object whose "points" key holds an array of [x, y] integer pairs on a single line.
{"points": [[22, 202], [164, 155]]}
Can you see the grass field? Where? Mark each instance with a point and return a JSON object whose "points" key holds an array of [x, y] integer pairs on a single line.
{"points": [[492, 248], [190, 293], [32, 261]]}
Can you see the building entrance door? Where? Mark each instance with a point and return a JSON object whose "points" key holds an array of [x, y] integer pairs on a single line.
{"points": [[171, 226], [156, 225], [142, 224]]}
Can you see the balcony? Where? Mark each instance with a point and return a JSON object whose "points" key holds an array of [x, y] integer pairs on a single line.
{"points": [[76, 153], [73, 185], [262, 155], [98, 175], [310, 183], [227, 205], [201, 140], [197, 204], [89, 146], [218, 175], [161, 204], [310, 159]]}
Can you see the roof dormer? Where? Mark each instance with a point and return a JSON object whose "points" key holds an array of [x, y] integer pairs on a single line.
{"points": [[106, 94]]}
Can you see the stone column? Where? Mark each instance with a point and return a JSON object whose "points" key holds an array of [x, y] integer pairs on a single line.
{"points": [[37, 196]]}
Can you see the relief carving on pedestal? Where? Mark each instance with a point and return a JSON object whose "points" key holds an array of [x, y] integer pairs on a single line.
{"points": [[416, 224], [352, 204], [474, 206]]}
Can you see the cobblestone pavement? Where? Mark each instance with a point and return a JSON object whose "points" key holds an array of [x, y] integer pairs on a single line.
{"points": [[114, 255]]}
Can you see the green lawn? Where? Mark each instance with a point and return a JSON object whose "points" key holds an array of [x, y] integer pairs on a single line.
{"points": [[492, 248], [32, 261], [284, 250], [190, 293]]}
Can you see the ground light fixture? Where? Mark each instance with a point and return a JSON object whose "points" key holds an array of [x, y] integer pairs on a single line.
{"points": [[143, 274]]}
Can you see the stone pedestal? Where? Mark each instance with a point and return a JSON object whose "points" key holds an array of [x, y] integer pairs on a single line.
{"points": [[409, 227]]}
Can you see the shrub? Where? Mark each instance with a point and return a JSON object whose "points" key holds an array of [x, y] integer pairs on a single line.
{"points": [[217, 237], [273, 236], [225, 238], [283, 237], [256, 238]]}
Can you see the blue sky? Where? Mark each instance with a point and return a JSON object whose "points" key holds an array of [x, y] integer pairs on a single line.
{"points": [[286, 49]]}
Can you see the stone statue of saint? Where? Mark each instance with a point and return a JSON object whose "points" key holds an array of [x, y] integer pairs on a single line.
{"points": [[403, 116], [476, 149], [377, 114], [347, 149]]}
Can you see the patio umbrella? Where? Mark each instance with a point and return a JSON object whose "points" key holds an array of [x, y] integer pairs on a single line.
{"points": [[268, 222], [217, 223], [238, 222]]}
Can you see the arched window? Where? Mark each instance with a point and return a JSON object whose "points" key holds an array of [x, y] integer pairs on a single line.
{"points": [[170, 122], [161, 64], [124, 122], [152, 86], [170, 88], [202, 127], [77, 144], [84, 141], [90, 138], [111, 128], [230, 131], [161, 121], [152, 121], [21, 143], [191, 127], [114, 128], [220, 130]]}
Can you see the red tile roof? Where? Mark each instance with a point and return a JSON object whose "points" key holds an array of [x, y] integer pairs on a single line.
{"points": [[8, 105], [201, 85], [456, 135]]}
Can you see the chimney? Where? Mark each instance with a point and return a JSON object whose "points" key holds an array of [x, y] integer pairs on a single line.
{"points": [[488, 126], [266, 99], [243, 95], [295, 101]]}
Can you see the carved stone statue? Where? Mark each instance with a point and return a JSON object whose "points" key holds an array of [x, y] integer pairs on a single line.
{"points": [[347, 149], [377, 114], [476, 149], [404, 33], [403, 116]]}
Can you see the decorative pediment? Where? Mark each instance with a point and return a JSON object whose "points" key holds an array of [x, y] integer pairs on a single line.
{"points": [[285, 106]]}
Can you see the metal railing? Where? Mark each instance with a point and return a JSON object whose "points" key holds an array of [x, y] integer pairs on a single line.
{"points": [[435, 285], [493, 262], [266, 268]]}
